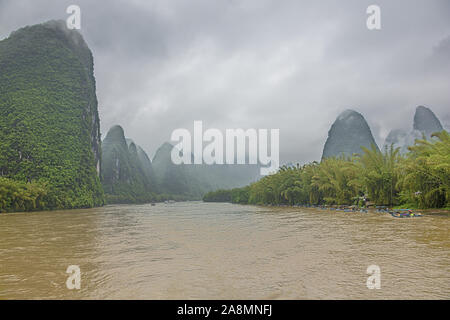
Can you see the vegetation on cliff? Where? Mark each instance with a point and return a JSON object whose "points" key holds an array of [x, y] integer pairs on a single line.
{"points": [[49, 126], [51, 155], [129, 176], [347, 135], [125, 178]]}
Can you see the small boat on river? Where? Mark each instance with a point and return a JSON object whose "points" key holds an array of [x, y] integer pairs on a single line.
{"points": [[404, 213]]}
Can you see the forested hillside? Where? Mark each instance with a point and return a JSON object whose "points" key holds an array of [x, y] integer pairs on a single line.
{"points": [[49, 124]]}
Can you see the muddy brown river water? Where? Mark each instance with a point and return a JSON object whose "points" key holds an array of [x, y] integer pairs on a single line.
{"points": [[195, 250]]}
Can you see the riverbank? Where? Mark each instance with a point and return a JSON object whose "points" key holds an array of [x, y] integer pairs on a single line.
{"points": [[429, 211]]}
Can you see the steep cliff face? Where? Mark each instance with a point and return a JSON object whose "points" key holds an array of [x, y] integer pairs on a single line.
{"points": [[129, 176], [347, 135], [172, 178], [49, 124], [195, 180], [125, 177], [115, 159], [425, 123], [147, 167]]}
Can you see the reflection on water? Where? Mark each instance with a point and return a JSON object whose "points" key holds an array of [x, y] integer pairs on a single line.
{"points": [[195, 250]]}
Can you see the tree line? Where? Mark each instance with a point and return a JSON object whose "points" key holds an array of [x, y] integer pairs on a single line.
{"points": [[417, 179]]}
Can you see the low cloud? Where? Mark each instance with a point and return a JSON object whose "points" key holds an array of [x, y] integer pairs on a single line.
{"points": [[292, 65]]}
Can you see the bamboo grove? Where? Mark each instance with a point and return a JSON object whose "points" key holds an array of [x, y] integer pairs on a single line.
{"points": [[418, 179]]}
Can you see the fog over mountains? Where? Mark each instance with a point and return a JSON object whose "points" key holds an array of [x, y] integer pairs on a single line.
{"points": [[350, 132], [289, 65], [425, 123], [130, 176], [50, 133]]}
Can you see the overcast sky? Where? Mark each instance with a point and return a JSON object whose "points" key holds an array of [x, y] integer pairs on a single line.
{"points": [[291, 65]]}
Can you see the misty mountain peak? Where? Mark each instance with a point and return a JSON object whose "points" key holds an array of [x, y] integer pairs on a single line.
{"points": [[347, 135], [349, 115], [116, 133], [426, 121]]}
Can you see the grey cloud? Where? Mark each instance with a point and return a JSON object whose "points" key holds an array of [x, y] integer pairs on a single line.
{"points": [[292, 65]]}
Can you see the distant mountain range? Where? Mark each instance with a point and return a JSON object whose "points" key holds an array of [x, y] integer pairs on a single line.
{"points": [[425, 123], [350, 132], [127, 175], [130, 176], [51, 155]]}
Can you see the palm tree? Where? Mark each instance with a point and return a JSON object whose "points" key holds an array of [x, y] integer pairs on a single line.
{"points": [[379, 174], [426, 172]]}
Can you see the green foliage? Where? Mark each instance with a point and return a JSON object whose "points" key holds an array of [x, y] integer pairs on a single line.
{"points": [[425, 173], [21, 196], [218, 196], [419, 179], [335, 179], [236, 195], [151, 197], [49, 133], [240, 195], [379, 174]]}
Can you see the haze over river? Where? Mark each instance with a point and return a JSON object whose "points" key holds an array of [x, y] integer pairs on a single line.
{"points": [[195, 250]]}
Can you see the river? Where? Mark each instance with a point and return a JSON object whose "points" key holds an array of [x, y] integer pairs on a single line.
{"points": [[195, 250]]}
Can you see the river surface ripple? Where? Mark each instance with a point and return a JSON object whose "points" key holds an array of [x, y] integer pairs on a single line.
{"points": [[195, 250]]}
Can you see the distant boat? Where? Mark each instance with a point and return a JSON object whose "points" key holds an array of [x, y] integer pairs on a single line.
{"points": [[404, 213]]}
